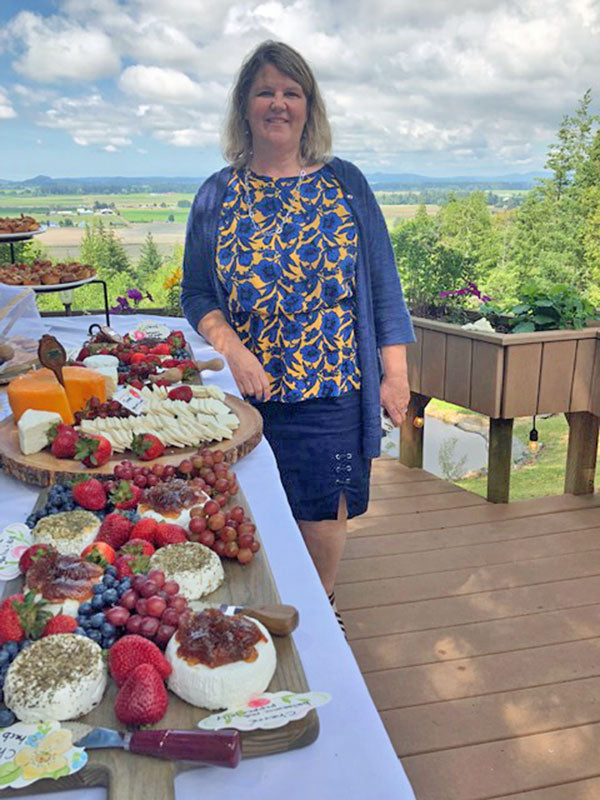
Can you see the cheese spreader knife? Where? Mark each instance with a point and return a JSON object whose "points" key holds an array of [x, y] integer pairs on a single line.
{"points": [[278, 618], [216, 748]]}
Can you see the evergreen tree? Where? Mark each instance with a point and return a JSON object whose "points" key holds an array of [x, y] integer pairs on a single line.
{"points": [[150, 260]]}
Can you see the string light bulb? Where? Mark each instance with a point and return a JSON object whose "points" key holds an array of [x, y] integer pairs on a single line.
{"points": [[534, 444], [419, 419]]}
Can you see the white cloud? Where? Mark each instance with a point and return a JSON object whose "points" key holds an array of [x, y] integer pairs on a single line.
{"points": [[160, 84], [55, 49], [6, 108]]}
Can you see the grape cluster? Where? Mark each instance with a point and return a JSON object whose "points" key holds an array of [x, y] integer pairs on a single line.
{"points": [[60, 498], [94, 409], [151, 608], [93, 618], [229, 533], [8, 653]]}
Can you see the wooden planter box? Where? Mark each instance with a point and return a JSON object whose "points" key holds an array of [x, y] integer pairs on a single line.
{"points": [[505, 376]]}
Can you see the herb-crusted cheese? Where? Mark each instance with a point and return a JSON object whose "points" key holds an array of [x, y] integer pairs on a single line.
{"points": [[68, 531], [196, 568]]}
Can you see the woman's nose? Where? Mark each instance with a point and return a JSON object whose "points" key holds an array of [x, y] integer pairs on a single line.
{"points": [[278, 101]]}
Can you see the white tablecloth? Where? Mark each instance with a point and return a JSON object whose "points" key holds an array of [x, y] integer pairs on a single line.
{"points": [[353, 756]]}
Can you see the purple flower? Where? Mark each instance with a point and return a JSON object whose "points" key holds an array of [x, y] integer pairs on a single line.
{"points": [[135, 295]]}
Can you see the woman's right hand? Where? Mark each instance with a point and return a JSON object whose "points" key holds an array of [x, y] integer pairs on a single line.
{"points": [[249, 374]]}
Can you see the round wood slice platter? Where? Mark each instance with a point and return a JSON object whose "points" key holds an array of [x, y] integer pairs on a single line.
{"points": [[42, 469], [24, 359]]}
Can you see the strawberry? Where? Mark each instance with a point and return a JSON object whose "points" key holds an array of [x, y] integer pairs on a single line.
{"points": [[145, 528], [161, 350], [99, 553], [136, 384], [122, 565], [83, 353], [90, 494], [127, 495], [162, 382], [63, 440], [128, 564], [184, 393], [93, 450], [138, 547], [114, 530], [33, 553], [143, 699], [131, 651], [147, 446], [168, 533], [62, 623], [21, 616]]}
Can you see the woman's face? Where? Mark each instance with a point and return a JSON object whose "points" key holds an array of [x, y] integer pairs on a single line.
{"points": [[277, 110]]}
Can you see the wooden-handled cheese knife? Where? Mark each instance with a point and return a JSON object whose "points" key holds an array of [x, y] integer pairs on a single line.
{"points": [[217, 748], [278, 618]]}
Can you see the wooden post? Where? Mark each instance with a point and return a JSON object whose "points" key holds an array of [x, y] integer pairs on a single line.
{"points": [[411, 438], [581, 452], [499, 460]]}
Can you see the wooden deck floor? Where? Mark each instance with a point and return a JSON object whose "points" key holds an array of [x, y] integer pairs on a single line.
{"points": [[477, 629]]}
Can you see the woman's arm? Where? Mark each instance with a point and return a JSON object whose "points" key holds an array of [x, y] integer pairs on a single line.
{"points": [[248, 372], [395, 391]]}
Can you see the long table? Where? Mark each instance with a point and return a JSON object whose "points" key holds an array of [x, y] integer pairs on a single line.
{"points": [[353, 757]]}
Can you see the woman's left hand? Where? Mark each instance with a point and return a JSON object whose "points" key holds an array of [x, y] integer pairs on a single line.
{"points": [[395, 396]]}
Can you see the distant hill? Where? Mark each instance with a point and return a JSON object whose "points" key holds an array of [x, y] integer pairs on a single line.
{"points": [[379, 181]]}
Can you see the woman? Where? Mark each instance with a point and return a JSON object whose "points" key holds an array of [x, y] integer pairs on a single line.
{"points": [[289, 273]]}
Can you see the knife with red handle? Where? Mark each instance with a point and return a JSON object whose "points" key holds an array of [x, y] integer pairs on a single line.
{"points": [[217, 748]]}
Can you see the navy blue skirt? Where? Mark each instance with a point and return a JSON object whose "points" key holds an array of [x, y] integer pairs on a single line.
{"points": [[317, 446]]}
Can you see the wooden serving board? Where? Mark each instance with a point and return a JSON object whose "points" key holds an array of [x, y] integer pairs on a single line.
{"points": [[42, 469], [133, 776]]}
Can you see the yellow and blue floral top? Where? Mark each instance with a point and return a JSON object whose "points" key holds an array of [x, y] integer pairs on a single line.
{"points": [[291, 294]]}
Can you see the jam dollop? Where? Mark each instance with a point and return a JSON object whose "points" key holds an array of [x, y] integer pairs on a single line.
{"points": [[213, 639], [63, 577], [172, 496]]}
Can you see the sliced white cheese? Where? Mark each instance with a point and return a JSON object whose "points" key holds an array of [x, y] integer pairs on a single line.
{"points": [[33, 429]]}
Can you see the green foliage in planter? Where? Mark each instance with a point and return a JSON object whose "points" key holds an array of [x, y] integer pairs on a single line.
{"points": [[559, 306]]}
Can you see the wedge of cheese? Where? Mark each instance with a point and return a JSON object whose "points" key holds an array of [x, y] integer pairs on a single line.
{"points": [[33, 430], [38, 390], [81, 384]]}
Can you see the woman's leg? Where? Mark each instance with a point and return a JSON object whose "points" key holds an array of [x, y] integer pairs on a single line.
{"points": [[325, 541]]}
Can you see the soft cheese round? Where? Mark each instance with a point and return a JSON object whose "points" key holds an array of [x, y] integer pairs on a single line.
{"points": [[196, 568], [68, 531], [176, 518], [56, 678], [224, 686]]}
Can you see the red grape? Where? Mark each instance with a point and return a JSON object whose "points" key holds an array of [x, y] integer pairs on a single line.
{"points": [[221, 484], [122, 472], [218, 456], [140, 480], [198, 462], [197, 525], [118, 615], [245, 539], [158, 576], [210, 508], [140, 606], [246, 527], [219, 547], [137, 582], [171, 587], [129, 599], [237, 513], [170, 617], [179, 603], [155, 606], [255, 546], [221, 499], [149, 588], [186, 467], [231, 549], [158, 469], [151, 480], [149, 626], [208, 457], [133, 624], [196, 511], [146, 470], [245, 555], [217, 521], [207, 538], [168, 471], [163, 634], [228, 534], [232, 523]]}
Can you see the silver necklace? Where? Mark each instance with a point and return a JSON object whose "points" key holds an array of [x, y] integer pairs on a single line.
{"points": [[279, 227]]}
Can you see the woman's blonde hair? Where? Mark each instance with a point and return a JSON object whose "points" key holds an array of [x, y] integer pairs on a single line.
{"points": [[315, 144]]}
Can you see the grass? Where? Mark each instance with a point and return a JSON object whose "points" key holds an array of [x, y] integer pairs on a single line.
{"points": [[539, 476], [153, 214]]}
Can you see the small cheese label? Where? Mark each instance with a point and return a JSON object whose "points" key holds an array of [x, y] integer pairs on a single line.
{"points": [[14, 540], [131, 399], [30, 752], [268, 710]]}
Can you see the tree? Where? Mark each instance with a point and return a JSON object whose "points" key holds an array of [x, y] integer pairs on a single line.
{"points": [[101, 248], [150, 258]]}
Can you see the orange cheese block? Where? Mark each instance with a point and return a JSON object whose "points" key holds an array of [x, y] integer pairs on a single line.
{"points": [[81, 384], [38, 389]]}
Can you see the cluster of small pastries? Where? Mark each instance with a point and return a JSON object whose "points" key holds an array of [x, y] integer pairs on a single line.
{"points": [[44, 272], [21, 224]]}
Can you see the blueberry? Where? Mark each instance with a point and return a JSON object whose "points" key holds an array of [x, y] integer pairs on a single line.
{"points": [[98, 588], [108, 630], [97, 602], [109, 580], [108, 643], [125, 583], [86, 623], [24, 644], [94, 635], [4, 657], [12, 648], [69, 505], [110, 570], [110, 597], [3, 671], [85, 609], [97, 620], [80, 631], [6, 718]]}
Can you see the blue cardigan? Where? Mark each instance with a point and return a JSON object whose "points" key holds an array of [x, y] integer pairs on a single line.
{"points": [[382, 317]]}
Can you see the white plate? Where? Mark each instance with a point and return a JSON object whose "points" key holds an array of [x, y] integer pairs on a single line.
{"points": [[50, 287], [20, 237]]}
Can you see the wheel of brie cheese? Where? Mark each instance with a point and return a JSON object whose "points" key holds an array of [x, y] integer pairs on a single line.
{"points": [[63, 581], [56, 678], [68, 531], [220, 661], [172, 502], [196, 568]]}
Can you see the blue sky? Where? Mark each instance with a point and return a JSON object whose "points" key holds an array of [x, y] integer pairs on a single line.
{"points": [[139, 87]]}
